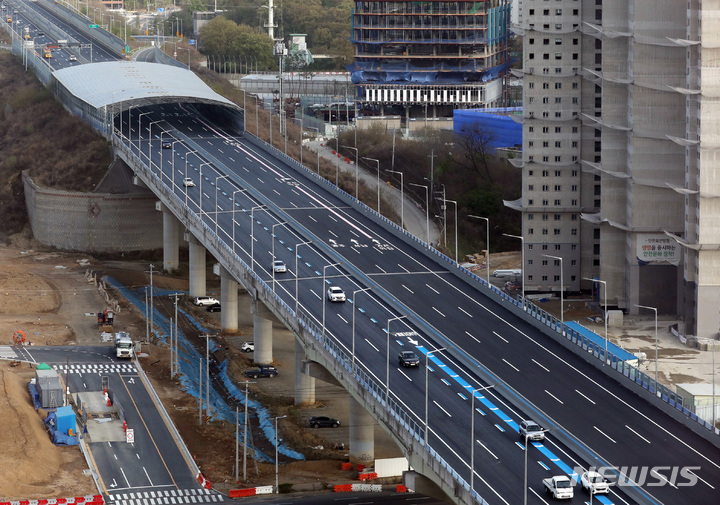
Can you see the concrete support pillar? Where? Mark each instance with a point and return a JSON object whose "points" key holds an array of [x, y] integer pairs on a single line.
{"points": [[262, 330], [228, 301], [362, 435], [171, 240], [197, 268], [304, 383]]}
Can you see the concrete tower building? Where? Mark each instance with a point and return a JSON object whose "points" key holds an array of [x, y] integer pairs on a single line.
{"points": [[425, 59], [619, 153]]}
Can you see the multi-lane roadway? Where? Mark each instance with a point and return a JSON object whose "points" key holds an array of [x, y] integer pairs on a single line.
{"points": [[234, 179]]}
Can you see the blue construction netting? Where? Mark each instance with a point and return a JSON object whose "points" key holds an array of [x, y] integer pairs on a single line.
{"points": [[503, 130], [189, 359]]}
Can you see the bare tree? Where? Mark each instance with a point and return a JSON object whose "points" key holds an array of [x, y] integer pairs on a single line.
{"points": [[476, 143]]}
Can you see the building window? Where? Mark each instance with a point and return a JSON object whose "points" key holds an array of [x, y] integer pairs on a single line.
{"points": [[531, 187], [546, 187], [531, 41], [546, 144], [546, 99], [544, 263], [546, 42], [530, 173], [575, 100], [531, 85], [557, 143], [573, 263], [573, 217], [544, 217], [531, 56], [546, 203], [558, 42], [558, 56], [574, 173], [544, 231], [546, 56], [558, 187], [573, 203], [531, 231], [545, 114], [557, 159], [574, 129], [556, 217], [574, 85], [531, 143], [558, 85], [546, 129], [557, 247], [558, 203], [558, 12], [558, 173], [574, 187], [574, 143], [575, 42], [532, 13], [531, 129], [573, 231], [531, 217], [558, 99], [558, 26], [531, 202], [573, 247], [546, 12], [546, 159], [558, 114], [558, 70], [544, 247], [546, 173]]}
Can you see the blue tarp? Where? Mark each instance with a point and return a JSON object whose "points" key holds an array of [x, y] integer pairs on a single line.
{"points": [[598, 340], [58, 437], [504, 131], [189, 359]]}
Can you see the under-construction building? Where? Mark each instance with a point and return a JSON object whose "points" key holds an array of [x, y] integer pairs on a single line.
{"points": [[620, 163], [425, 59]]}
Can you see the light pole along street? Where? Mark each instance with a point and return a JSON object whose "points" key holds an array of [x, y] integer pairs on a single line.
{"points": [[273, 252], [487, 245], [472, 435], [604, 283], [387, 359], [456, 230], [187, 155], [233, 215], [655, 310], [378, 181], [522, 263], [252, 236], [427, 367], [562, 290], [354, 302], [402, 197], [427, 212], [356, 169], [217, 205], [324, 296], [297, 273]]}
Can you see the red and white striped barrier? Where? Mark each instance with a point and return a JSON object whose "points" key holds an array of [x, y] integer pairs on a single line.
{"points": [[77, 500], [203, 481], [363, 488], [251, 491]]}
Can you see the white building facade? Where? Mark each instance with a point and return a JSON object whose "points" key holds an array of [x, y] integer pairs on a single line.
{"points": [[619, 159]]}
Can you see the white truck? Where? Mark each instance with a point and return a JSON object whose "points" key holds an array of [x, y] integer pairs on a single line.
{"points": [[123, 345], [559, 486]]}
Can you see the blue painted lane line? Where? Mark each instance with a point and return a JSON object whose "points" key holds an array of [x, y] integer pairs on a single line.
{"points": [[544, 465], [500, 428]]}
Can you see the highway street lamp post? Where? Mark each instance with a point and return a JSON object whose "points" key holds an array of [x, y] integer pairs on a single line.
{"points": [[387, 360], [201, 193], [297, 273], [324, 296], [378, 181], [654, 309], [217, 207], [356, 169], [604, 283], [273, 252], [472, 437], [252, 236], [487, 245], [402, 198], [354, 300], [318, 149], [140, 130], [427, 367], [427, 212], [277, 487], [562, 290], [172, 161], [522, 261], [150, 143], [233, 215], [456, 229], [257, 115], [187, 155]]}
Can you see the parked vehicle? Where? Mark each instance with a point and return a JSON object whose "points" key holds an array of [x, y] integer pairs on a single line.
{"points": [[323, 422], [262, 371], [335, 294], [248, 347], [204, 301], [559, 487], [408, 359], [215, 307], [595, 482], [531, 430], [513, 272]]}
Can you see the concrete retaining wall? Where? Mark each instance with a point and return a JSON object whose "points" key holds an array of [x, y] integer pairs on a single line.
{"points": [[93, 222]]}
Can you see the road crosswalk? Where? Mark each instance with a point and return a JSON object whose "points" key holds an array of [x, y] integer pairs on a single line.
{"points": [[167, 497], [98, 368]]}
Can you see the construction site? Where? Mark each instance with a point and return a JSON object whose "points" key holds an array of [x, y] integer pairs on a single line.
{"points": [[426, 59]]}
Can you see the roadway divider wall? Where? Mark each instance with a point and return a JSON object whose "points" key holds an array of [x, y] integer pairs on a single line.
{"points": [[82, 24], [46, 25], [363, 387], [164, 58]]}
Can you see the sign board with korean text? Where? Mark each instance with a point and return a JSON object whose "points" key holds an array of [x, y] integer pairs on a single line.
{"points": [[657, 249], [130, 436]]}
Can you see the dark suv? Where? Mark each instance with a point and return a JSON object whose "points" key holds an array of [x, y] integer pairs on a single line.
{"points": [[408, 358], [323, 422]]}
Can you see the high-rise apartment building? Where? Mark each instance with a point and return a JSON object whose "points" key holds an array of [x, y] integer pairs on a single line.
{"points": [[425, 59], [620, 164]]}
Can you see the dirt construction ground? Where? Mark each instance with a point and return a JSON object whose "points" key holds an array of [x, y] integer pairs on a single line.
{"points": [[47, 295]]}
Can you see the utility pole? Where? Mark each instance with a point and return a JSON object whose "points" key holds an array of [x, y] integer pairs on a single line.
{"points": [[245, 422], [432, 172], [152, 326]]}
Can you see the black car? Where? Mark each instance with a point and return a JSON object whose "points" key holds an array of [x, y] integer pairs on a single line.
{"points": [[215, 307], [408, 358], [166, 144], [323, 422]]}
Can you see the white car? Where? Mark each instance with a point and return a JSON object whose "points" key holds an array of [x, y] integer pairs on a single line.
{"points": [[188, 182], [279, 267], [596, 482], [531, 430], [205, 301], [335, 294], [73, 57], [248, 347]]}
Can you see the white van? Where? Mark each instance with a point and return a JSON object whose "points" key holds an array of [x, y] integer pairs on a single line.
{"points": [[204, 301], [511, 272]]}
